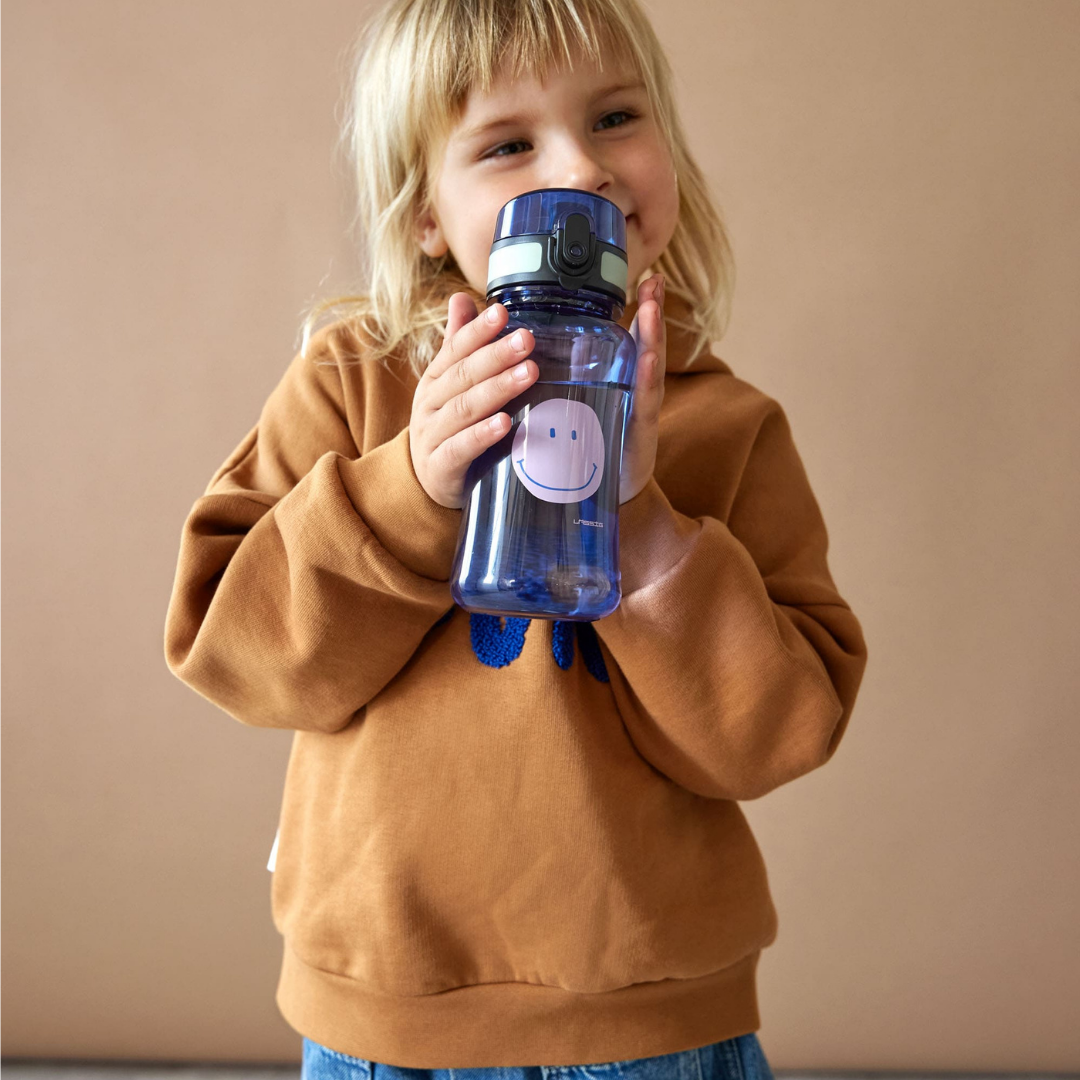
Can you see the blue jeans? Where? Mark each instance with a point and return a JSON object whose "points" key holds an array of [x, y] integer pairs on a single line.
{"points": [[740, 1058]]}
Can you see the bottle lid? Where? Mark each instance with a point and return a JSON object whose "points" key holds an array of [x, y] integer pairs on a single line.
{"points": [[562, 237]]}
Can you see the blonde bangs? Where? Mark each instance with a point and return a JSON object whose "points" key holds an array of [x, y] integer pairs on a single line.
{"points": [[413, 69], [465, 46]]}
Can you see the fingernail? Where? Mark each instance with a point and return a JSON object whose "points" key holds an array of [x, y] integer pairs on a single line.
{"points": [[521, 371], [517, 340], [492, 313]]}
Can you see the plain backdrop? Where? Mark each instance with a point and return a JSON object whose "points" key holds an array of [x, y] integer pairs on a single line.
{"points": [[901, 180]]}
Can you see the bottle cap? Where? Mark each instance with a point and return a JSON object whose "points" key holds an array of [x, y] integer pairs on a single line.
{"points": [[563, 237]]}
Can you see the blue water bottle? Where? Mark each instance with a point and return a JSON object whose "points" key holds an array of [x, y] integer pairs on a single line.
{"points": [[540, 530]]}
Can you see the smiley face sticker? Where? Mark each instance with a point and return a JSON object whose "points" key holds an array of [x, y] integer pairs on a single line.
{"points": [[558, 451]]}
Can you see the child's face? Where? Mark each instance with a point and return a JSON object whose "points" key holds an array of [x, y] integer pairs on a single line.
{"points": [[586, 129]]}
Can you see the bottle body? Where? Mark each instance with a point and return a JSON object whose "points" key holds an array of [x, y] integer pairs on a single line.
{"points": [[540, 529]]}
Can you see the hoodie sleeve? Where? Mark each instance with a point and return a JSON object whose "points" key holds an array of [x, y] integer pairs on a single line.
{"points": [[308, 573], [737, 662]]}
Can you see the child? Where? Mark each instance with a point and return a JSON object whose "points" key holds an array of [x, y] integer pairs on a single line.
{"points": [[517, 845]]}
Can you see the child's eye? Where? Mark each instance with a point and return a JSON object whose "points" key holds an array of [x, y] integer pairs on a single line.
{"points": [[504, 146], [620, 112], [629, 115]]}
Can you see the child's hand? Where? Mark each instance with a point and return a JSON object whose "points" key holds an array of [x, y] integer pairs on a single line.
{"points": [[642, 429], [468, 381]]}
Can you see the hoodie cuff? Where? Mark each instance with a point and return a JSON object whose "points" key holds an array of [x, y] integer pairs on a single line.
{"points": [[653, 537], [417, 531]]}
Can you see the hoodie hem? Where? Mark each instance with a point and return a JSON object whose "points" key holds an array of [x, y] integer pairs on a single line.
{"points": [[509, 1024]]}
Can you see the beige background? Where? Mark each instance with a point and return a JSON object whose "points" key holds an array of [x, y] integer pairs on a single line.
{"points": [[901, 181]]}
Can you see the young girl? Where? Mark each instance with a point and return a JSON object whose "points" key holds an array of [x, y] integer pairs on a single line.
{"points": [[517, 844]]}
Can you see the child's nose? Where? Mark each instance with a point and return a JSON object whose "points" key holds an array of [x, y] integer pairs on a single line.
{"points": [[579, 167]]}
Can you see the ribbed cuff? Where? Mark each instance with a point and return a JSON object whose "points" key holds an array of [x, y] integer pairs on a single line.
{"points": [[653, 537], [417, 531]]}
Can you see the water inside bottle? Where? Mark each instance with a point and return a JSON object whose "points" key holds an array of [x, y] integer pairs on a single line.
{"points": [[531, 535]]}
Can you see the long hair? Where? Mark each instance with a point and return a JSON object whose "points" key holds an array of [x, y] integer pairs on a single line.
{"points": [[412, 69]]}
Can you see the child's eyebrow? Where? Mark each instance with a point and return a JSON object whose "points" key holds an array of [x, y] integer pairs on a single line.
{"points": [[475, 130]]}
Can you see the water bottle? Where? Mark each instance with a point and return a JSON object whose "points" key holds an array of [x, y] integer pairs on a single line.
{"points": [[540, 530]]}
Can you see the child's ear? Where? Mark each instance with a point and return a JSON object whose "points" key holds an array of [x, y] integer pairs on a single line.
{"points": [[429, 235]]}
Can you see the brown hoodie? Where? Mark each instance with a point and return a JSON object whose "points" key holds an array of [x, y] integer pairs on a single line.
{"points": [[494, 848]]}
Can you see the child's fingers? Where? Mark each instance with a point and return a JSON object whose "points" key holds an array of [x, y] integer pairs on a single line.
{"points": [[649, 333], [648, 390], [481, 383], [647, 327], [651, 327], [651, 289], [454, 455], [466, 331], [460, 309]]}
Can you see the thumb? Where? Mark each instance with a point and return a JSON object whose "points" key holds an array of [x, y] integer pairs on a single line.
{"points": [[461, 308]]}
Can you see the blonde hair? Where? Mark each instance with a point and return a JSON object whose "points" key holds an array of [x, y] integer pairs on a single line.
{"points": [[413, 67]]}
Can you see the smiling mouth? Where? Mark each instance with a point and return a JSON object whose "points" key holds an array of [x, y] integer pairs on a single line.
{"points": [[521, 462]]}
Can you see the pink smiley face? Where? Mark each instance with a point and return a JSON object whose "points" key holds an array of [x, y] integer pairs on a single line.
{"points": [[558, 451]]}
